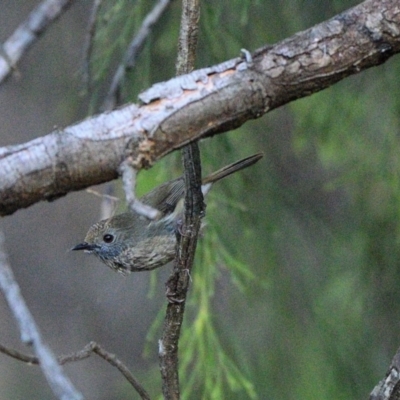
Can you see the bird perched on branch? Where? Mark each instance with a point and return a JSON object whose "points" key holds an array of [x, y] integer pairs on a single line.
{"points": [[131, 242]]}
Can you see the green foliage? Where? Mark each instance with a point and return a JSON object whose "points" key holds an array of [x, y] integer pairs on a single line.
{"points": [[200, 340]]}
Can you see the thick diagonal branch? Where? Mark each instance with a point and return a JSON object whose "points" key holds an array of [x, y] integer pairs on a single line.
{"points": [[202, 103]]}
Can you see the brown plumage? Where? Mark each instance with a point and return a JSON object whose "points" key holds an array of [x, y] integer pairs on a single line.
{"points": [[132, 242]]}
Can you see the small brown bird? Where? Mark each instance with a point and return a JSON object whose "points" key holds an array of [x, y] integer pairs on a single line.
{"points": [[131, 242]]}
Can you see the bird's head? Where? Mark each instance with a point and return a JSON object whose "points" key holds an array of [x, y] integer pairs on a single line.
{"points": [[107, 238]]}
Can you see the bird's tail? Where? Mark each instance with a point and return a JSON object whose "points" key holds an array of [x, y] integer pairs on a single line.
{"points": [[231, 168]]}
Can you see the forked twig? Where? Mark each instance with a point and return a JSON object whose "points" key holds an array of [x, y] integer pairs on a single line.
{"points": [[86, 352]]}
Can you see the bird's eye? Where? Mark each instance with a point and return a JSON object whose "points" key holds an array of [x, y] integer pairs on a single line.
{"points": [[108, 238]]}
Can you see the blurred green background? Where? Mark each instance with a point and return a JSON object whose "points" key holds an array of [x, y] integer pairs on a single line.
{"points": [[295, 288]]}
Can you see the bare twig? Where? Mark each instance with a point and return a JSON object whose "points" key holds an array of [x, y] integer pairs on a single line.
{"points": [[132, 52], [129, 183], [92, 24], [18, 355], [28, 32], [86, 352], [59, 383], [102, 195], [108, 202], [113, 360], [178, 283]]}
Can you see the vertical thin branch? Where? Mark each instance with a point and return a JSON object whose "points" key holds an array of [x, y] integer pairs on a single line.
{"points": [[188, 36], [178, 284], [59, 383]]}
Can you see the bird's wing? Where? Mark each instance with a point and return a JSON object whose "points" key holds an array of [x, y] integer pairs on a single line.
{"points": [[166, 196]]}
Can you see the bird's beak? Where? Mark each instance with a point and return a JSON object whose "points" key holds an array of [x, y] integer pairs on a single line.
{"points": [[84, 246]]}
